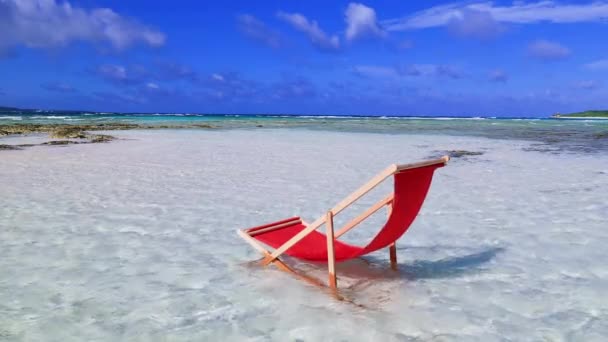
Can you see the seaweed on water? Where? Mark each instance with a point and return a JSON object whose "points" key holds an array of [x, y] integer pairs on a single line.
{"points": [[202, 126], [68, 133], [456, 153], [60, 142], [463, 153], [4, 147], [100, 138], [601, 135]]}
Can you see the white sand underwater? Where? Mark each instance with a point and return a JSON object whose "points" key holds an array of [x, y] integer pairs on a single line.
{"points": [[135, 240]]}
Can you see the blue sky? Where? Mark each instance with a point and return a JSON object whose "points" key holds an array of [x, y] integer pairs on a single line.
{"points": [[519, 58]]}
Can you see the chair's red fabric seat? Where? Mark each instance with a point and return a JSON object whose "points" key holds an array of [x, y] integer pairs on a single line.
{"points": [[312, 247], [410, 189]]}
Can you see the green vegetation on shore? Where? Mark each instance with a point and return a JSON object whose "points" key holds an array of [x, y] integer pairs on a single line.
{"points": [[10, 109], [585, 114], [7, 109]]}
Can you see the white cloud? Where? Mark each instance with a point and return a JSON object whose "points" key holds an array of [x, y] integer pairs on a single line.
{"points": [[404, 44], [412, 70], [518, 13], [587, 85], [498, 76], [475, 24], [547, 51], [152, 85], [319, 38], [49, 24], [58, 87], [257, 30], [361, 22], [217, 77], [376, 71], [441, 70], [114, 72], [135, 74], [601, 64]]}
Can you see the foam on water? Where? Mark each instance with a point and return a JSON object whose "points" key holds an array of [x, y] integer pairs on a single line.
{"points": [[49, 117], [135, 240], [554, 135]]}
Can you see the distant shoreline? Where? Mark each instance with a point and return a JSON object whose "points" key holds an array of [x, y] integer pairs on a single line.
{"points": [[6, 112], [589, 114], [12, 115], [581, 117]]}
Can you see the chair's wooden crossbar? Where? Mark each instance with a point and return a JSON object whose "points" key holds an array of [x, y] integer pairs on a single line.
{"points": [[271, 228], [365, 188], [369, 212], [280, 264], [251, 241], [313, 226], [252, 229]]}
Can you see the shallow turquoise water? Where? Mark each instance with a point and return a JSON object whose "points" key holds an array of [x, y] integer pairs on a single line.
{"points": [[550, 135], [135, 240]]}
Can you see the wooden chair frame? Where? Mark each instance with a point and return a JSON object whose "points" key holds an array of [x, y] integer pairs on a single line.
{"points": [[327, 219]]}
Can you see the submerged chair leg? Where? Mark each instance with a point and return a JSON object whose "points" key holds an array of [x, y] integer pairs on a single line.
{"points": [[392, 249], [331, 256], [277, 262], [393, 254]]}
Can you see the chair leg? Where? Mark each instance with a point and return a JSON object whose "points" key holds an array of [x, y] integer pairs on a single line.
{"points": [[392, 249], [331, 257], [268, 259], [393, 254]]}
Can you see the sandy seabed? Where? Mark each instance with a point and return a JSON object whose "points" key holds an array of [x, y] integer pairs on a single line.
{"points": [[135, 240]]}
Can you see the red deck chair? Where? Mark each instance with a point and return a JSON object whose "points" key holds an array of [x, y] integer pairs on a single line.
{"points": [[298, 239]]}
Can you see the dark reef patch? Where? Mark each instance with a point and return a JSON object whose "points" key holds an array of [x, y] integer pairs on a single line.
{"points": [[601, 135], [463, 153], [80, 132], [60, 142], [456, 153], [9, 147], [68, 133], [100, 138]]}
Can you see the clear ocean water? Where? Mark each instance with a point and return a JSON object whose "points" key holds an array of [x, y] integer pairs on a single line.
{"points": [[550, 135], [134, 240]]}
